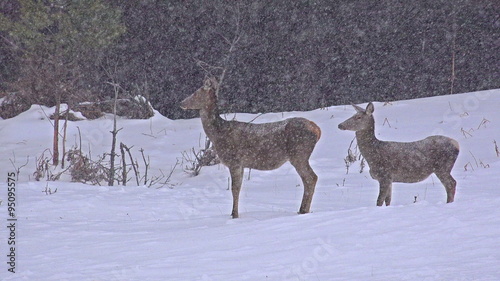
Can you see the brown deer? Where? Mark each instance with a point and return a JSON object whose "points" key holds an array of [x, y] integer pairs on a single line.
{"points": [[265, 146], [407, 162]]}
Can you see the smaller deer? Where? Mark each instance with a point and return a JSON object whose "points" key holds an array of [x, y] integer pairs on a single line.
{"points": [[265, 146], [406, 162]]}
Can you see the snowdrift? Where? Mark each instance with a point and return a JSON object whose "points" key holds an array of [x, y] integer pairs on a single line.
{"points": [[183, 231]]}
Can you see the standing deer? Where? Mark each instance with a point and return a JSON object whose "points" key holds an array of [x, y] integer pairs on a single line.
{"points": [[407, 162], [265, 146]]}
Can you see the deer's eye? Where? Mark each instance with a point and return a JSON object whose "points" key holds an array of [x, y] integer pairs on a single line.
{"points": [[358, 117]]}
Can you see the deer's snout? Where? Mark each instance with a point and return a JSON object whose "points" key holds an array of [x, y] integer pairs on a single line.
{"points": [[184, 104], [342, 126]]}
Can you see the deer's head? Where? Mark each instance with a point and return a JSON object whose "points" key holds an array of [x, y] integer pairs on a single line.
{"points": [[204, 96], [362, 120]]}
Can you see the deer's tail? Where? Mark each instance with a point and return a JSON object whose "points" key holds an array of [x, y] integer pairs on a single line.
{"points": [[311, 126], [455, 144]]}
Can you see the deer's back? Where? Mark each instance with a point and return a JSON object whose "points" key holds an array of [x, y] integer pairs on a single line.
{"points": [[413, 161], [263, 146]]}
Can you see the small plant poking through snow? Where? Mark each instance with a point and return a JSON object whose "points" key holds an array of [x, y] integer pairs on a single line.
{"points": [[477, 163], [466, 133], [354, 155], [48, 190], [483, 123], [18, 168], [350, 158]]}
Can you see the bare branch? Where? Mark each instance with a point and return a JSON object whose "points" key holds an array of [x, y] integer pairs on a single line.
{"points": [[233, 42], [256, 117], [146, 165], [132, 162]]}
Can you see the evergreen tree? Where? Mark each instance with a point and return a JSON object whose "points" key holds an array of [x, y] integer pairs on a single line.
{"points": [[56, 40]]}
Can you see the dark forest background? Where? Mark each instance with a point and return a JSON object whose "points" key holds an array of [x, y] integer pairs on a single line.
{"points": [[291, 55]]}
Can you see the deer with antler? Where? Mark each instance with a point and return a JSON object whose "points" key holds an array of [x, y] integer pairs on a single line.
{"points": [[264, 146], [406, 162]]}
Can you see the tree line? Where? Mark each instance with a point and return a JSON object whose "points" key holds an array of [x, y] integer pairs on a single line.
{"points": [[290, 55]]}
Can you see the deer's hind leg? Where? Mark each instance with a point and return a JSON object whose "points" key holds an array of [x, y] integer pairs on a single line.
{"points": [[309, 179], [304, 135], [385, 193], [236, 181], [450, 184]]}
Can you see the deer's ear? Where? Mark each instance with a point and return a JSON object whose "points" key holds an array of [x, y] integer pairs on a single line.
{"points": [[358, 109], [369, 109], [214, 84], [207, 84], [210, 83]]}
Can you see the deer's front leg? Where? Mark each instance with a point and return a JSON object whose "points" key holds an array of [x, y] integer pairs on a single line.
{"points": [[236, 181], [385, 192]]}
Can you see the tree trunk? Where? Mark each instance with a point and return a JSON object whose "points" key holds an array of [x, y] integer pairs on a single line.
{"points": [[124, 165], [113, 141], [55, 147], [65, 127]]}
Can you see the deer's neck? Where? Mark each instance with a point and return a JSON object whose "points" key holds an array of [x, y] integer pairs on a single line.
{"points": [[368, 143], [211, 121]]}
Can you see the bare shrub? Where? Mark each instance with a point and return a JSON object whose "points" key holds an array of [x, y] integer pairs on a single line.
{"points": [[66, 115], [89, 110], [82, 168], [44, 170], [85, 170], [195, 160], [42, 167], [14, 104], [145, 177], [132, 108]]}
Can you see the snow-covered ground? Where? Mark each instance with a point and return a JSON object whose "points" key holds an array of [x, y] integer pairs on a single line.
{"points": [[184, 232]]}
